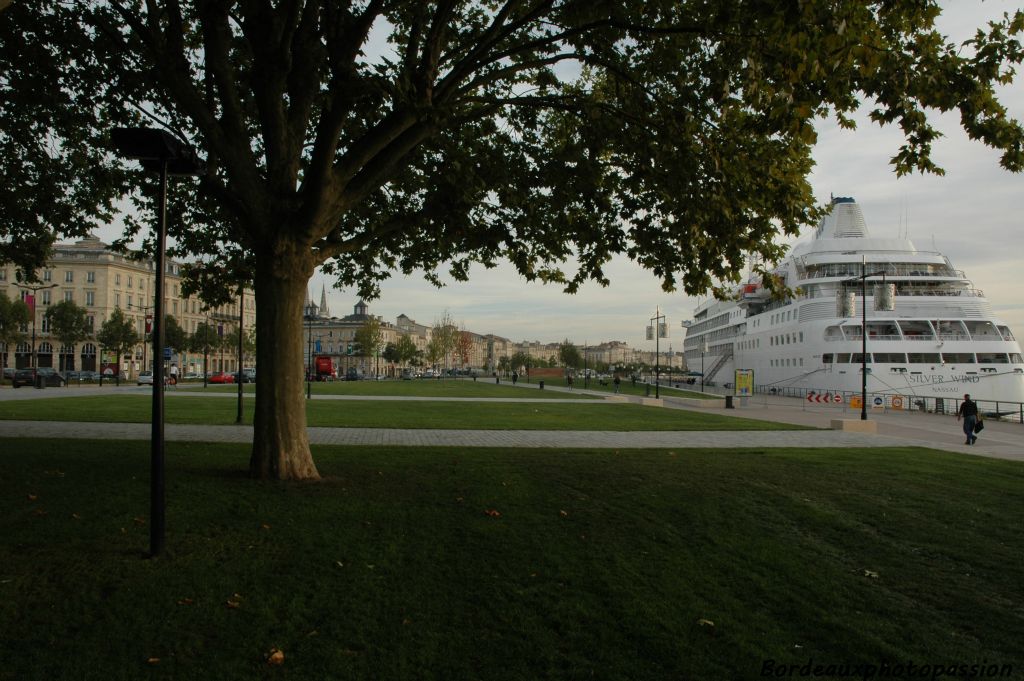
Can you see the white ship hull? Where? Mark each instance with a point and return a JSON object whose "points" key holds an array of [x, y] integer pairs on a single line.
{"points": [[934, 337]]}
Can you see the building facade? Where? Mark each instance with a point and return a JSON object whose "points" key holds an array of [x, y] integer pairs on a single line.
{"points": [[101, 280]]}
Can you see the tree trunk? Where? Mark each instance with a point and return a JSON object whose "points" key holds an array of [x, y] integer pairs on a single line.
{"points": [[280, 446]]}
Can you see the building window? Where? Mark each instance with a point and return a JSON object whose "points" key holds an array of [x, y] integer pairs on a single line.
{"points": [[117, 300], [141, 285], [47, 275], [174, 307], [90, 298], [117, 279], [90, 321], [69, 276], [129, 282], [129, 300], [45, 326], [46, 297], [69, 296], [90, 277]]}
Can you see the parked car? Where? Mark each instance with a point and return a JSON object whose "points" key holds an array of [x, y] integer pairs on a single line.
{"points": [[243, 377], [221, 377], [23, 377], [27, 377], [9, 372], [144, 378]]}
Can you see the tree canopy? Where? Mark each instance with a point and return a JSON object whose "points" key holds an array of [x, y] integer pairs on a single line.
{"points": [[402, 135]]}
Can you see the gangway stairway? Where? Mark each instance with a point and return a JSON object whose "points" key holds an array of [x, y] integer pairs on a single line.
{"points": [[719, 363]]}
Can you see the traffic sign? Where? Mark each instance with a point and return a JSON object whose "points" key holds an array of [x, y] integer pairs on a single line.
{"points": [[167, 353]]}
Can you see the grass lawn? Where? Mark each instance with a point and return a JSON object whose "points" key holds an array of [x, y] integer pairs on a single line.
{"points": [[483, 388], [181, 408], [626, 387], [611, 565]]}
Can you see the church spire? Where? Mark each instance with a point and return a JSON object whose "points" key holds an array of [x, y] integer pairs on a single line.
{"points": [[324, 312]]}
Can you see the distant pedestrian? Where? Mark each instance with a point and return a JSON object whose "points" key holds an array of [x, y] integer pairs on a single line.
{"points": [[617, 381], [969, 411], [174, 374], [568, 380], [515, 377]]}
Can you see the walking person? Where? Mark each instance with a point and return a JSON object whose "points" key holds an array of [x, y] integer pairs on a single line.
{"points": [[617, 381], [568, 380], [969, 411]]}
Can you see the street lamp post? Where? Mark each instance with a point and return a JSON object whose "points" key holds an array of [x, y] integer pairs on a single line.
{"points": [[657, 327], [35, 289], [863, 278], [158, 151], [310, 312], [241, 331]]}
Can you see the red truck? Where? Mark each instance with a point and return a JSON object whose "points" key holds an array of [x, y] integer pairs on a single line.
{"points": [[323, 368]]}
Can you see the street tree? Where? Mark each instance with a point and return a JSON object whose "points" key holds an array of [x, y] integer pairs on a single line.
{"points": [[370, 338], [406, 350], [569, 355], [13, 315], [521, 361], [118, 335], [69, 324], [175, 337], [446, 335], [404, 135], [204, 340], [463, 347]]}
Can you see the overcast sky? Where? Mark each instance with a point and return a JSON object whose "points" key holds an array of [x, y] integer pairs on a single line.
{"points": [[972, 215]]}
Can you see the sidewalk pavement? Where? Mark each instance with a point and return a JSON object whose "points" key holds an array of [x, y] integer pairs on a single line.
{"points": [[895, 428]]}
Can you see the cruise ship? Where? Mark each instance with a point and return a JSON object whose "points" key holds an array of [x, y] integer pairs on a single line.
{"points": [[930, 333]]}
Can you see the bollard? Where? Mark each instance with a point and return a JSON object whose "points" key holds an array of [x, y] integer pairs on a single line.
{"points": [[542, 385], [728, 402], [497, 379]]}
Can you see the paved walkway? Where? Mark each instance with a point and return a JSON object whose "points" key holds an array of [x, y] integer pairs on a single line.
{"points": [[895, 428]]}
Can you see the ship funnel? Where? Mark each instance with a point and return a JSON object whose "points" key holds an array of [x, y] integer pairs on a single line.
{"points": [[844, 221]]}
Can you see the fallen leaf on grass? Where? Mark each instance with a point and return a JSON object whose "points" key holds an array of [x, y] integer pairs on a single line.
{"points": [[33, 497], [139, 521], [705, 623], [235, 602], [871, 574], [264, 526], [493, 513], [564, 514], [75, 516], [153, 660], [186, 601], [339, 563], [275, 657]]}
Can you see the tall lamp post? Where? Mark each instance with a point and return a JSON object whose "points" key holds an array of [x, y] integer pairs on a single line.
{"points": [[863, 278], [241, 347], [157, 151], [703, 349], [310, 313], [659, 329], [34, 288]]}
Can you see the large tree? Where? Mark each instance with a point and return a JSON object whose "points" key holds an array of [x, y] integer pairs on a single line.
{"points": [[678, 132], [118, 335], [13, 315], [69, 324]]}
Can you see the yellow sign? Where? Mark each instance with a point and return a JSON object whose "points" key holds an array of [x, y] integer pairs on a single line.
{"points": [[897, 402], [855, 402], [744, 382]]}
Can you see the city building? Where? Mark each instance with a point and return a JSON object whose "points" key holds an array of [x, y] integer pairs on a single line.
{"points": [[101, 280]]}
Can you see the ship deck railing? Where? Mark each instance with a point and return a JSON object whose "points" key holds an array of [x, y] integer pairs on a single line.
{"points": [[999, 410]]}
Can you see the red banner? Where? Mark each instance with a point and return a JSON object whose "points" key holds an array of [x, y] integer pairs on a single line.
{"points": [[30, 300]]}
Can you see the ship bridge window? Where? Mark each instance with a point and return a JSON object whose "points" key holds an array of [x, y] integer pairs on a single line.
{"points": [[883, 331], [843, 358], [982, 330], [958, 357], [833, 333], [951, 329], [891, 357], [992, 358], [916, 330], [857, 358], [1015, 358], [923, 357], [1005, 332], [826, 358]]}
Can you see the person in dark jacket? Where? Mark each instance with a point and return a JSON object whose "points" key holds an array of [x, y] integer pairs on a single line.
{"points": [[969, 411]]}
